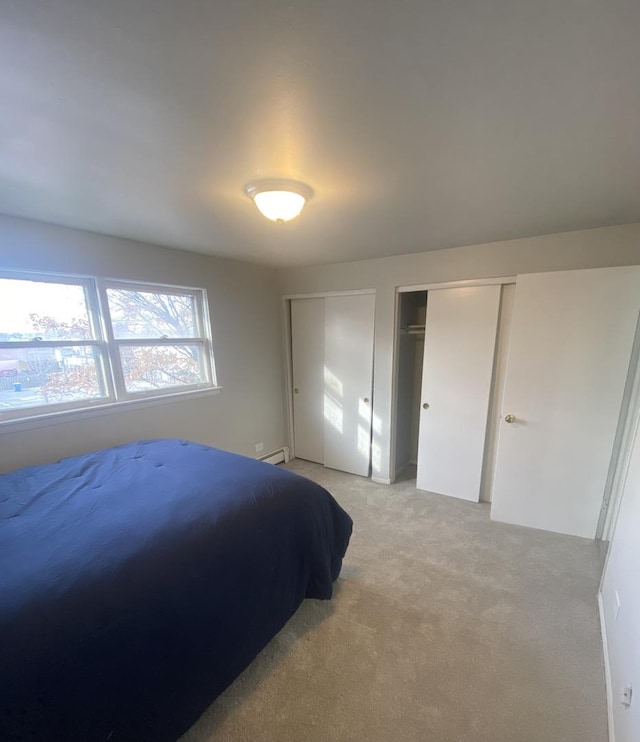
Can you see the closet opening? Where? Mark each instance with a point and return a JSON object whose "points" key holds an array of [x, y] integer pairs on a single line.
{"points": [[452, 342], [412, 313]]}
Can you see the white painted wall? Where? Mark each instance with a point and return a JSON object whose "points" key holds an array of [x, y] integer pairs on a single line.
{"points": [[247, 337], [595, 248], [622, 630]]}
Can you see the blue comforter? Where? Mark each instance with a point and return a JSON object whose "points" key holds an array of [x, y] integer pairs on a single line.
{"points": [[137, 582]]}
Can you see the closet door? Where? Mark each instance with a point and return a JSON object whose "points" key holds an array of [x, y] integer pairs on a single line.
{"points": [[571, 343], [307, 357], [348, 379], [460, 337]]}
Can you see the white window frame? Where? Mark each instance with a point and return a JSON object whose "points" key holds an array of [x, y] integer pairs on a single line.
{"points": [[202, 340], [108, 363]]}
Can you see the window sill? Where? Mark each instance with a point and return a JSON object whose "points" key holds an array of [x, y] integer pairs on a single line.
{"points": [[108, 408]]}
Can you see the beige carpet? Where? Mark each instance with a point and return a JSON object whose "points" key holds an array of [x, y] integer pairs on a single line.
{"points": [[444, 626]]}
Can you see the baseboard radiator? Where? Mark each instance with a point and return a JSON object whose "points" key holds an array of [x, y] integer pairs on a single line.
{"points": [[277, 457]]}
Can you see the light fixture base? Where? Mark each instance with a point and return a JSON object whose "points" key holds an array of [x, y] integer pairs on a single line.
{"points": [[279, 199]]}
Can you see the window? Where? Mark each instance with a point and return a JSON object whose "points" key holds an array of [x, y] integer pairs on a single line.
{"points": [[71, 342], [159, 337]]}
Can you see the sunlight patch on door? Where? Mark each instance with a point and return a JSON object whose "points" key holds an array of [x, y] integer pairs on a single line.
{"points": [[364, 441], [333, 384], [377, 425], [333, 413], [364, 410], [376, 458]]}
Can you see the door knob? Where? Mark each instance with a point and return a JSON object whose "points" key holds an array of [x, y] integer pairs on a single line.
{"points": [[366, 400], [295, 391], [425, 406], [510, 419]]}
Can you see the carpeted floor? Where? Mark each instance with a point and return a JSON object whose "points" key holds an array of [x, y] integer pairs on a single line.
{"points": [[444, 626]]}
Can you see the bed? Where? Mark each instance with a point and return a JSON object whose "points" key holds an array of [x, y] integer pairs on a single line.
{"points": [[137, 582]]}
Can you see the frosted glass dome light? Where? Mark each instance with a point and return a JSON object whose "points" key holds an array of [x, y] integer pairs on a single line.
{"points": [[279, 206], [279, 199]]}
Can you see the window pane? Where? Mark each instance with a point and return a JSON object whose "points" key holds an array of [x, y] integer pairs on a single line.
{"points": [[149, 367], [145, 314], [33, 377], [37, 309]]}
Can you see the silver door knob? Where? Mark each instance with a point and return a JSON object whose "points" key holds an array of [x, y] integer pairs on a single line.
{"points": [[295, 391], [510, 419], [425, 406], [366, 400]]}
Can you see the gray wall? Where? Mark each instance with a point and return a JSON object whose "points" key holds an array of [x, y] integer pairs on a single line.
{"points": [[595, 248], [246, 317], [247, 338]]}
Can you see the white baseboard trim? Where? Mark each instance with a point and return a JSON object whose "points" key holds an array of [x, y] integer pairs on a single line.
{"points": [[380, 480], [276, 457], [607, 669]]}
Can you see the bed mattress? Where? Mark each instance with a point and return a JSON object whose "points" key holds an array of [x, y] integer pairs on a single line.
{"points": [[137, 582]]}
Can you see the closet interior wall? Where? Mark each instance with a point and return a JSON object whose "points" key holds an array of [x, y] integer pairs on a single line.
{"points": [[412, 311]]}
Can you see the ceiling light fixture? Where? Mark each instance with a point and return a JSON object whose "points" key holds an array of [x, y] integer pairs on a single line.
{"points": [[279, 199]]}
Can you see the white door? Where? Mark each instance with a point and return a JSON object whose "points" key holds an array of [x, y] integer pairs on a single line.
{"points": [[571, 342], [307, 356], [348, 379], [459, 345]]}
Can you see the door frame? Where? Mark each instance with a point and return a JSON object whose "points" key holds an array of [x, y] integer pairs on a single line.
{"points": [[410, 288], [287, 346], [622, 446]]}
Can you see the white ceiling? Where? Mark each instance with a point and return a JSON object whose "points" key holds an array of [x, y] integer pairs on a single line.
{"points": [[421, 124]]}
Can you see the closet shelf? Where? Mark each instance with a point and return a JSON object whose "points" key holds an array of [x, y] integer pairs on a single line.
{"points": [[414, 329]]}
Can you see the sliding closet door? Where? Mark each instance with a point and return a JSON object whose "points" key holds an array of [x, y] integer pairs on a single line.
{"points": [[307, 356], [348, 379], [460, 337], [571, 342]]}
